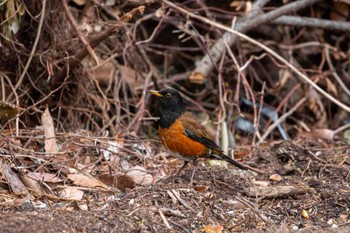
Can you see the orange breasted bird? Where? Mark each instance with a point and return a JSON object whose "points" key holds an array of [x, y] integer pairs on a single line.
{"points": [[182, 134]]}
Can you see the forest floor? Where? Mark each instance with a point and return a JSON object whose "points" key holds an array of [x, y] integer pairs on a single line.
{"points": [[309, 192]]}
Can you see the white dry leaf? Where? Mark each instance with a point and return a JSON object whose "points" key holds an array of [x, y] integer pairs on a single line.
{"points": [[49, 132], [113, 148], [72, 193]]}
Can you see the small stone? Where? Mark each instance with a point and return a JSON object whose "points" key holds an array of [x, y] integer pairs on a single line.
{"points": [[295, 228], [305, 214], [330, 222]]}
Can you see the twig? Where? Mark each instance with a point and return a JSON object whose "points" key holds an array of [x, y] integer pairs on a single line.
{"points": [[76, 29], [335, 75], [342, 128], [96, 40], [267, 49], [163, 217], [181, 201], [35, 44], [281, 119], [312, 22], [262, 93], [251, 21]]}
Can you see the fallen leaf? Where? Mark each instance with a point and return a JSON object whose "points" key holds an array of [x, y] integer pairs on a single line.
{"points": [[45, 177], [124, 182], [73, 193], [262, 183], [331, 88], [275, 177], [326, 134], [213, 229], [49, 131], [85, 180], [140, 175], [14, 181], [201, 189]]}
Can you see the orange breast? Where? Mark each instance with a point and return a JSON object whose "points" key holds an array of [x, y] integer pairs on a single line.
{"points": [[175, 140]]}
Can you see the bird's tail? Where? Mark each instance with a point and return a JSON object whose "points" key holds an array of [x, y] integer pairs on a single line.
{"points": [[242, 166]]}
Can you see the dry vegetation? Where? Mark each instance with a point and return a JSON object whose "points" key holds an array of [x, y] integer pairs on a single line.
{"points": [[78, 140]]}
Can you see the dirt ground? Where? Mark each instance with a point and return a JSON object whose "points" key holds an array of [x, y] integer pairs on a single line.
{"points": [[312, 194]]}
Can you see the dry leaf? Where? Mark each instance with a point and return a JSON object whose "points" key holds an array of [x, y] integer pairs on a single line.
{"points": [[140, 175], [201, 189], [30, 183], [14, 181], [107, 179], [262, 183], [326, 134], [45, 177], [49, 131], [331, 88], [124, 182], [213, 229], [275, 177], [86, 180], [160, 12], [72, 193]]}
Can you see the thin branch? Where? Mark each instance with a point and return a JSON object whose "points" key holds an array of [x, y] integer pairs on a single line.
{"points": [[267, 49], [312, 22], [335, 75], [76, 29], [20, 80], [251, 21], [281, 119], [96, 40]]}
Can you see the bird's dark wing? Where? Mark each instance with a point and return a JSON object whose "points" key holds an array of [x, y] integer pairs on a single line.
{"points": [[197, 132], [194, 130]]}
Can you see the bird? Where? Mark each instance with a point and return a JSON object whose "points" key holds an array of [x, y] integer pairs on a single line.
{"points": [[181, 133]]}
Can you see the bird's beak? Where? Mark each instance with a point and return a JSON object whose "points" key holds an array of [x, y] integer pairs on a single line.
{"points": [[156, 93]]}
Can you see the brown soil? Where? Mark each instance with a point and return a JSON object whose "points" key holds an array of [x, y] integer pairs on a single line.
{"points": [[217, 197]]}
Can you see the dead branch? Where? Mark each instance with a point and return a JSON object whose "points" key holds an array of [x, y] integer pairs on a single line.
{"points": [[312, 22], [275, 191], [75, 26], [251, 21], [75, 59]]}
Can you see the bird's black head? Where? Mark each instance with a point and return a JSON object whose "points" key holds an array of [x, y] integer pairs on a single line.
{"points": [[171, 104]]}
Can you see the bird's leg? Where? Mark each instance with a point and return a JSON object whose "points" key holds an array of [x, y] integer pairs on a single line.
{"points": [[195, 163], [183, 166]]}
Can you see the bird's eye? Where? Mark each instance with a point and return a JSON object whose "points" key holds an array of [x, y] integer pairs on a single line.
{"points": [[168, 95]]}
